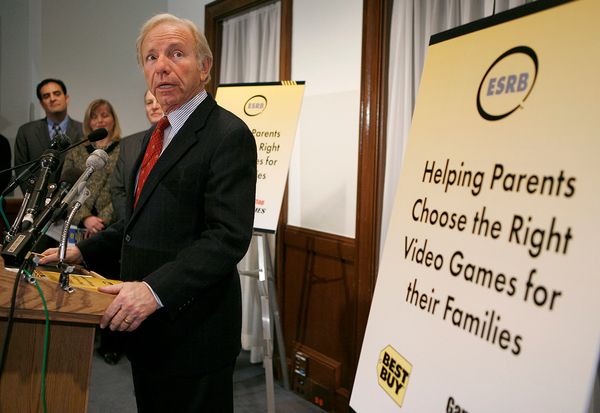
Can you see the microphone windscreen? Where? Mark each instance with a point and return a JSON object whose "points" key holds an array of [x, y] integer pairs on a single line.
{"points": [[60, 142], [50, 159], [97, 159], [97, 134]]}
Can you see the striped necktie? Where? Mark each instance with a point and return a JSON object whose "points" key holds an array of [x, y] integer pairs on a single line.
{"points": [[55, 131]]}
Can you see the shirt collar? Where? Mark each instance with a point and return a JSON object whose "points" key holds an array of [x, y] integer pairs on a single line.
{"points": [[180, 115], [63, 125]]}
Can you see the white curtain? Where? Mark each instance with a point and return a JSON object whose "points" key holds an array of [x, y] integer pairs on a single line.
{"points": [[250, 53], [413, 23]]}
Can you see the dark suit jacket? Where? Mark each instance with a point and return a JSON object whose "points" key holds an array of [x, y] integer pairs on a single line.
{"points": [[192, 224], [33, 139], [119, 181], [4, 163]]}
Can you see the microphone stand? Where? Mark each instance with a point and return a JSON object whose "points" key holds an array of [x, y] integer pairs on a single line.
{"points": [[35, 164], [26, 174], [67, 269], [16, 226], [23, 176]]}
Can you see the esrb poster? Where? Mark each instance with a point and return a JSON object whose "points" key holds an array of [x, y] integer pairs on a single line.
{"points": [[271, 111], [488, 294]]}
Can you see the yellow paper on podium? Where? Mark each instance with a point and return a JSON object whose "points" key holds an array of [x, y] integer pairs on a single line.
{"points": [[90, 281]]}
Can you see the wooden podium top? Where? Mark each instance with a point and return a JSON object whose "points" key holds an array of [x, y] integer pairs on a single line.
{"points": [[84, 305]]}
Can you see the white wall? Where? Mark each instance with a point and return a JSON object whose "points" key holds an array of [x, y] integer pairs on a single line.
{"points": [[91, 46], [326, 53], [19, 45], [88, 44], [189, 9]]}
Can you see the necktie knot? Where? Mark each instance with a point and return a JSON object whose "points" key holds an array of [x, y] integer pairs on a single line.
{"points": [[56, 130], [163, 124]]}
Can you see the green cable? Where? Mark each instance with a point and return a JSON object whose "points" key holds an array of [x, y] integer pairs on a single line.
{"points": [[3, 215], [45, 358]]}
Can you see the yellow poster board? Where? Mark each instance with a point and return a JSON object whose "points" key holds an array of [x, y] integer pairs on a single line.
{"points": [[271, 111], [488, 292]]}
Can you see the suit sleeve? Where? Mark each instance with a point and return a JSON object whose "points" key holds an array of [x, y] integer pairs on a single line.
{"points": [[228, 213], [5, 160], [117, 188], [102, 252], [21, 152]]}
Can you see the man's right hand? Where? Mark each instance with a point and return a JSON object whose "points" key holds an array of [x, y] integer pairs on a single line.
{"points": [[72, 256]]}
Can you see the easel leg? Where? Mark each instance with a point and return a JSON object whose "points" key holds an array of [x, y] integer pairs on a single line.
{"points": [[263, 288]]}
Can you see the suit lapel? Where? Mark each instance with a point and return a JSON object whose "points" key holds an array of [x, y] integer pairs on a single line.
{"points": [[185, 138], [72, 131]]}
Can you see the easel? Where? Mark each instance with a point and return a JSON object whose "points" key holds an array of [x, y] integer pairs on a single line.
{"points": [[269, 194], [270, 316]]}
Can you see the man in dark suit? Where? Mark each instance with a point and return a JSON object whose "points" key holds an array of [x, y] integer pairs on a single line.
{"points": [[130, 149], [182, 238], [34, 137]]}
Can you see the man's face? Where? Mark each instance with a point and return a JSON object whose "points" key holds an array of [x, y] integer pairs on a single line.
{"points": [[171, 69], [54, 101], [153, 110]]}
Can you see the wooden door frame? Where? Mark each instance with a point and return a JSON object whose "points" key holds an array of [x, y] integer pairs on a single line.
{"points": [[219, 10], [377, 16]]}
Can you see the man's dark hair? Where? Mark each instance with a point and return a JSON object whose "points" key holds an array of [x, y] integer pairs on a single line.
{"points": [[38, 89]]}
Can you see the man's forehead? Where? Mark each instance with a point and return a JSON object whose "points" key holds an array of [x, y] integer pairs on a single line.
{"points": [[172, 34], [50, 87]]}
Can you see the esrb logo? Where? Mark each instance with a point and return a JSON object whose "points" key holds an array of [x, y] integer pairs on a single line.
{"points": [[255, 105], [393, 372], [507, 83]]}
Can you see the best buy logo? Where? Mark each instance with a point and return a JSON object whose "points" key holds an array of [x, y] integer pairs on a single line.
{"points": [[393, 372]]}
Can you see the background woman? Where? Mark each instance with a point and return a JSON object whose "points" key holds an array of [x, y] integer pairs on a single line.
{"points": [[97, 211]]}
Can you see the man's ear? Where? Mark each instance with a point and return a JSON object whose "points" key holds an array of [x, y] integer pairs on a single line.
{"points": [[205, 67], [67, 99]]}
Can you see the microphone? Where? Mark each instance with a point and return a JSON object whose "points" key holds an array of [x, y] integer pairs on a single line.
{"points": [[97, 135], [94, 136], [62, 144], [49, 163], [51, 213], [96, 161], [14, 252]]}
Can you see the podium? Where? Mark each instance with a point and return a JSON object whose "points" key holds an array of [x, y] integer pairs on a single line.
{"points": [[73, 319]]}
